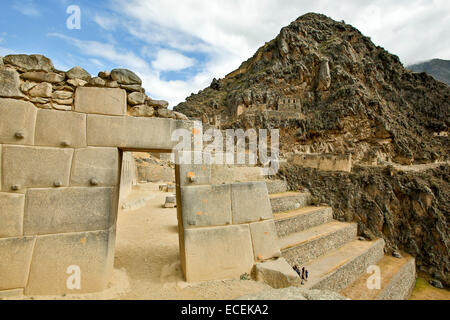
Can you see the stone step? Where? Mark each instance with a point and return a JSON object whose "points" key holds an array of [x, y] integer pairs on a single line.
{"points": [[341, 267], [287, 201], [276, 186], [302, 247], [398, 277], [301, 219]]}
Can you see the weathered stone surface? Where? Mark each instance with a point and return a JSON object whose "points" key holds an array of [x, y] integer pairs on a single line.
{"points": [[324, 78], [131, 132], [104, 74], [32, 62], [101, 101], [9, 83], [66, 210], [278, 274], [165, 113], [112, 84], [43, 90], [27, 86], [227, 252], [192, 174], [58, 128], [204, 206], [11, 293], [133, 87], [17, 121], [77, 82], [264, 238], [11, 214], [142, 111], [99, 163], [50, 77], [78, 73], [158, 103], [171, 202], [136, 98], [1, 61], [180, 116], [65, 105], [92, 252], [124, 76], [15, 261], [33, 167], [62, 95], [97, 82], [39, 100], [250, 202]]}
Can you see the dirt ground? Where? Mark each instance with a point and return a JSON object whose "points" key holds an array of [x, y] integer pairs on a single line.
{"points": [[147, 263]]}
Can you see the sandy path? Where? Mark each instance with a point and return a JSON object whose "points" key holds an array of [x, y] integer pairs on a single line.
{"points": [[147, 259]]}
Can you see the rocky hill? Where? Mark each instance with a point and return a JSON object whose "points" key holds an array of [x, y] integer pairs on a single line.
{"points": [[438, 68], [330, 89]]}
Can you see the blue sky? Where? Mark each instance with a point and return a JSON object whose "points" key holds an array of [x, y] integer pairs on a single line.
{"points": [[178, 46]]}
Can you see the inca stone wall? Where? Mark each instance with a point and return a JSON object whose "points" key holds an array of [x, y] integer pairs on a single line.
{"points": [[61, 147], [63, 139], [224, 228]]}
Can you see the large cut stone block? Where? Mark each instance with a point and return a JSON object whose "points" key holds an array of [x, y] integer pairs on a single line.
{"points": [[9, 83], [250, 202], [33, 167], [61, 128], [278, 274], [101, 101], [15, 258], [130, 132], [91, 253], [206, 205], [191, 173], [264, 238], [11, 214], [101, 164], [69, 210], [218, 253], [17, 122]]}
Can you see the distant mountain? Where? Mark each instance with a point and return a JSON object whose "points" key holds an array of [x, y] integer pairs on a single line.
{"points": [[438, 68], [328, 88]]}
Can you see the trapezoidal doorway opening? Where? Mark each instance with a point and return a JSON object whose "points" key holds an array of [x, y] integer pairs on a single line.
{"points": [[147, 244]]}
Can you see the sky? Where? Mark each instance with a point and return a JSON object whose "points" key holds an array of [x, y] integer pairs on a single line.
{"points": [[178, 46]]}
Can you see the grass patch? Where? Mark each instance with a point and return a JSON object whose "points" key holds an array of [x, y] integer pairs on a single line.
{"points": [[425, 291]]}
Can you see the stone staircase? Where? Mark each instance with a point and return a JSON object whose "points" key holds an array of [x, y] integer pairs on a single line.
{"points": [[331, 252]]}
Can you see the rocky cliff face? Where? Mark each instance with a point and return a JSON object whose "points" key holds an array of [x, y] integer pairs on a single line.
{"points": [[330, 89], [438, 68]]}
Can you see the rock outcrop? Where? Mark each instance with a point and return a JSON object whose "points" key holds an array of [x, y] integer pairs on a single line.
{"points": [[330, 89]]}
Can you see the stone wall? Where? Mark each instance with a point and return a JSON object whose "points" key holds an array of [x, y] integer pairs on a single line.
{"points": [[61, 146], [128, 176], [224, 228], [323, 162]]}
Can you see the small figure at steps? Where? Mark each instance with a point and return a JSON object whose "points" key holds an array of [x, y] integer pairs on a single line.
{"points": [[296, 269], [306, 275]]}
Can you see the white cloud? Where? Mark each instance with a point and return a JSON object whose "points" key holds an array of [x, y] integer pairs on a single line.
{"points": [[168, 60], [26, 7], [228, 32]]}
